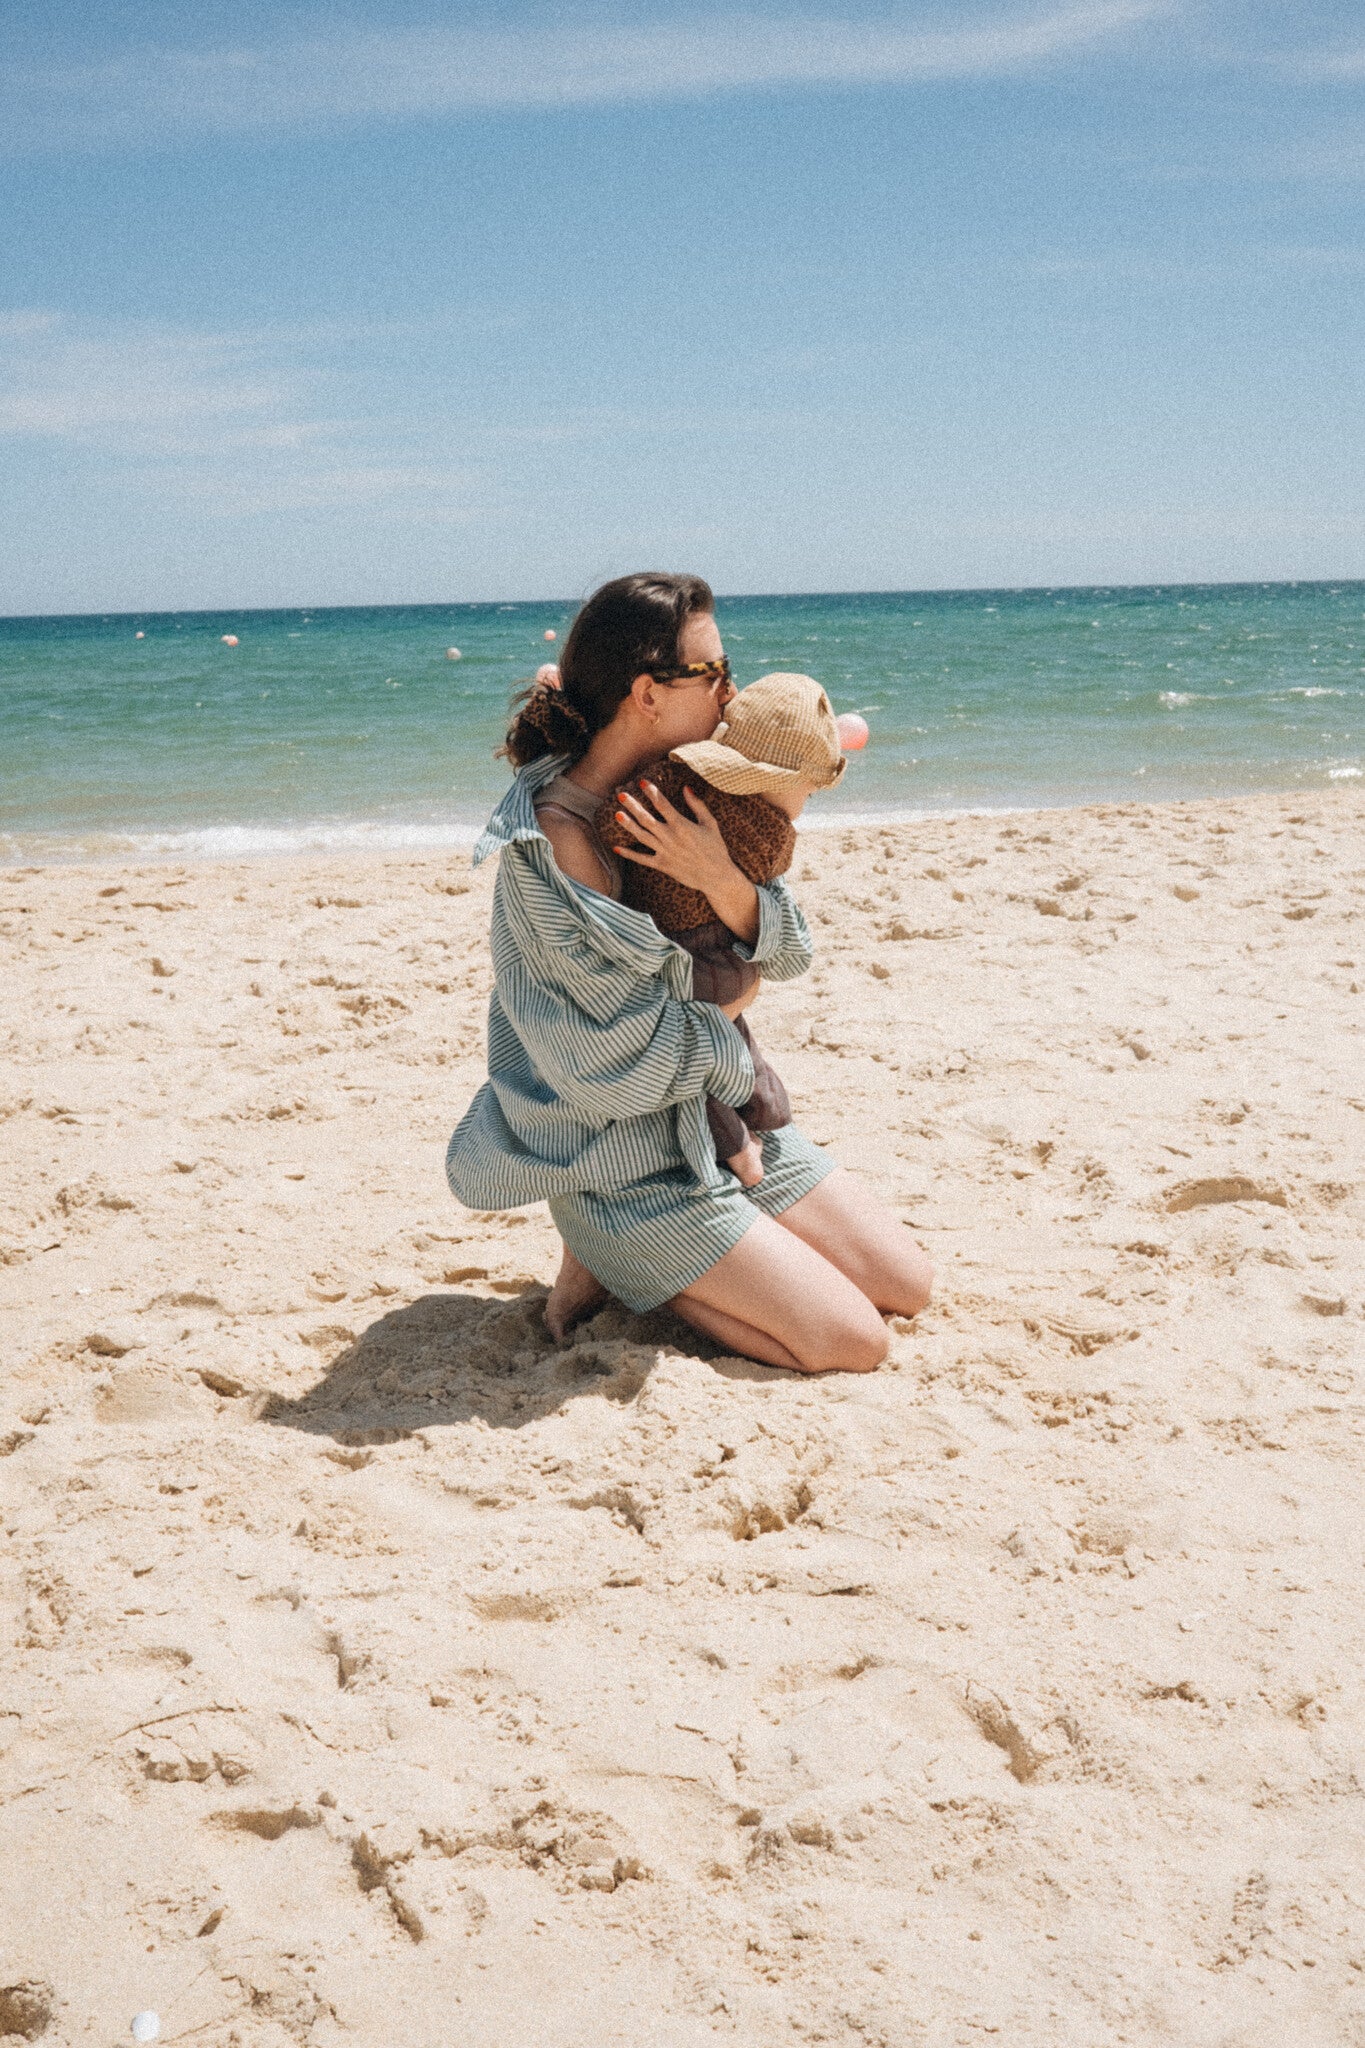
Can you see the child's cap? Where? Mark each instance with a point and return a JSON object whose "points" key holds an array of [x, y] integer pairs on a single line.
{"points": [[779, 731]]}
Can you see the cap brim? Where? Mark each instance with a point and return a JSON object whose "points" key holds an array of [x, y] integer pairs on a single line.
{"points": [[726, 768]]}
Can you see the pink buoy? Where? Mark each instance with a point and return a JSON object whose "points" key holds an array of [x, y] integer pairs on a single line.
{"points": [[230, 640], [852, 731], [139, 636], [550, 633], [547, 676]]}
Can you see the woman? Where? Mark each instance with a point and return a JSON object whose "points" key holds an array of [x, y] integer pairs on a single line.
{"points": [[599, 1063]]}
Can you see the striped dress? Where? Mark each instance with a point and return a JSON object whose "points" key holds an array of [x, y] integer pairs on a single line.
{"points": [[599, 1065]]}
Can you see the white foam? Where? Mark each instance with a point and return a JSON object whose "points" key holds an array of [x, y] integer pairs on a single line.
{"points": [[1344, 774], [227, 842], [240, 842]]}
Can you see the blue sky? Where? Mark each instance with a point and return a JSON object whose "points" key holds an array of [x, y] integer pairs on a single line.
{"points": [[392, 303]]}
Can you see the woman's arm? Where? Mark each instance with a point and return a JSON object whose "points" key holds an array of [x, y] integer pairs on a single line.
{"points": [[653, 1052], [602, 1032], [782, 949]]}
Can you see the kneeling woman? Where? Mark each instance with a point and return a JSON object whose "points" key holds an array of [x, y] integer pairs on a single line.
{"points": [[599, 1062]]}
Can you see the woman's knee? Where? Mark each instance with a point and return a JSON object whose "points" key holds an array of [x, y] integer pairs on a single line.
{"points": [[917, 1282], [852, 1342]]}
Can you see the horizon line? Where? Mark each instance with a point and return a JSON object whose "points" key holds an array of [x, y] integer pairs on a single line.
{"points": [[722, 597]]}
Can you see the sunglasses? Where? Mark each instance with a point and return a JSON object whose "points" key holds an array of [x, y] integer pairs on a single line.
{"points": [[714, 674]]}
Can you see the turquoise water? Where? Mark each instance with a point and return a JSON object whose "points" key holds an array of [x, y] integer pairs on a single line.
{"points": [[351, 727]]}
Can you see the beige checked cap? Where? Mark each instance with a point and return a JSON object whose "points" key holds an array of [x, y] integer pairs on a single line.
{"points": [[778, 732]]}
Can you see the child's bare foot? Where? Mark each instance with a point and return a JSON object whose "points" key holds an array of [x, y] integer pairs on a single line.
{"points": [[747, 1164], [574, 1295]]}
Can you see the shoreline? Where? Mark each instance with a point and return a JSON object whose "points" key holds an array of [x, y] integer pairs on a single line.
{"points": [[368, 1656], [365, 840]]}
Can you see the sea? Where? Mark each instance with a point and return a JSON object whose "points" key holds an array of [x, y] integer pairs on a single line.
{"points": [[183, 735]]}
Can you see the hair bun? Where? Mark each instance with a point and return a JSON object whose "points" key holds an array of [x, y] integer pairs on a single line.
{"points": [[547, 723]]}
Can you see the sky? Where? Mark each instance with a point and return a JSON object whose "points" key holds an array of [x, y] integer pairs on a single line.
{"points": [[402, 303]]}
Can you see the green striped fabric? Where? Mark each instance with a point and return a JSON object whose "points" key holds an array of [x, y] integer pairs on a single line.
{"points": [[599, 1062]]}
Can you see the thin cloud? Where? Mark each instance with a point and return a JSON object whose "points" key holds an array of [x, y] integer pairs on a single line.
{"points": [[24, 322], [1322, 67], [156, 96], [64, 383], [1333, 159], [224, 422]]}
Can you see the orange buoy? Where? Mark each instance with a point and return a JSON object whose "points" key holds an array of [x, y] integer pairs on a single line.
{"points": [[454, 654], [550, 633], [852, 731], [547, 676], [230, 640], [139, 636]]}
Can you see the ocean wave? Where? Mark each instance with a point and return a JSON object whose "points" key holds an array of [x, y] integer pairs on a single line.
{"points": [[1344, 774], [240, 842]]}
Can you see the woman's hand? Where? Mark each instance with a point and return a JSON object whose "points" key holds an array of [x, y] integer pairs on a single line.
{"points": [[693, 852]]}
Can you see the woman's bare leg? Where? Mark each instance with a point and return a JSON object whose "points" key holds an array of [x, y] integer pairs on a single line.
{"points": [[778, 1300], [741, 1338], [574, 1295], [848, 1226]]}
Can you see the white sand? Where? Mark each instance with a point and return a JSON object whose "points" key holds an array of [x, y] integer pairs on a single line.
{"points": [[372, 1672]]}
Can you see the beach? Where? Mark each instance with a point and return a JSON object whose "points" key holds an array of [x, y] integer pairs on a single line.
{"points": [[375, 1671]]}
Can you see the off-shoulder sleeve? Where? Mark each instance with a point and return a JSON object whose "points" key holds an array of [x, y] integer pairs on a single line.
{"points": [[653, 1052], [602, 1031], [782, 949]]}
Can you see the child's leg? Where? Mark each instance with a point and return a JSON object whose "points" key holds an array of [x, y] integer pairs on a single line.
{"points": [[747, 1164], [736, 1146], [769, 1107]]}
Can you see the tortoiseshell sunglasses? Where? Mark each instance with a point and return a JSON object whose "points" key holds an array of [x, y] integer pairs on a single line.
{"points": [[713, 673]]}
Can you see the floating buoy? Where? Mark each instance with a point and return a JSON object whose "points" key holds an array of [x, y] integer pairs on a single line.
{"points": [[852, 731], [547, 676], [139, 636], [550, 633], [454, 654], [146, 2026], [230, 640]]}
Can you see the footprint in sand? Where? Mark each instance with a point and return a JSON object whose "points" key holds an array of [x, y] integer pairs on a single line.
{"points": [[1202, 1194]]}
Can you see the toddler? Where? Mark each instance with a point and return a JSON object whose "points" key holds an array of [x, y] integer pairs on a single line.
{"points": [[778, 745]]}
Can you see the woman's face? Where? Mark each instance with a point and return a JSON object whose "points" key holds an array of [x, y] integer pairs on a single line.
{"points": [[686, 710]]}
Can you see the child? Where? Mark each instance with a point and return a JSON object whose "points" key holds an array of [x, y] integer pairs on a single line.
{"points": [[777, 745]]}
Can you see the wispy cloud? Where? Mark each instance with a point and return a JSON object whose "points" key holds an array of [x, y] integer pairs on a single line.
{"points": [[141, 382], [157, 95], [1322, 67], [23, 322], [1335, 157], [227, 423]]}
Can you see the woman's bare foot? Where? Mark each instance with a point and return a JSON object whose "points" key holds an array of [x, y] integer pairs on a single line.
{"points": [[747, 1164], [574, 1295]]}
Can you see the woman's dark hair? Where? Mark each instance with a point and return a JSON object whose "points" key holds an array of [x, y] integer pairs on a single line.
{"points": [[626, 629]]}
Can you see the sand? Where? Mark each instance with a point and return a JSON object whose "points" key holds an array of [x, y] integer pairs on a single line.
{"points": [[373, 1672]]}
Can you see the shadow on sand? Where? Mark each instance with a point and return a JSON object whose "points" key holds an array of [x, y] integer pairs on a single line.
{"points": [[448, 1358]]}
